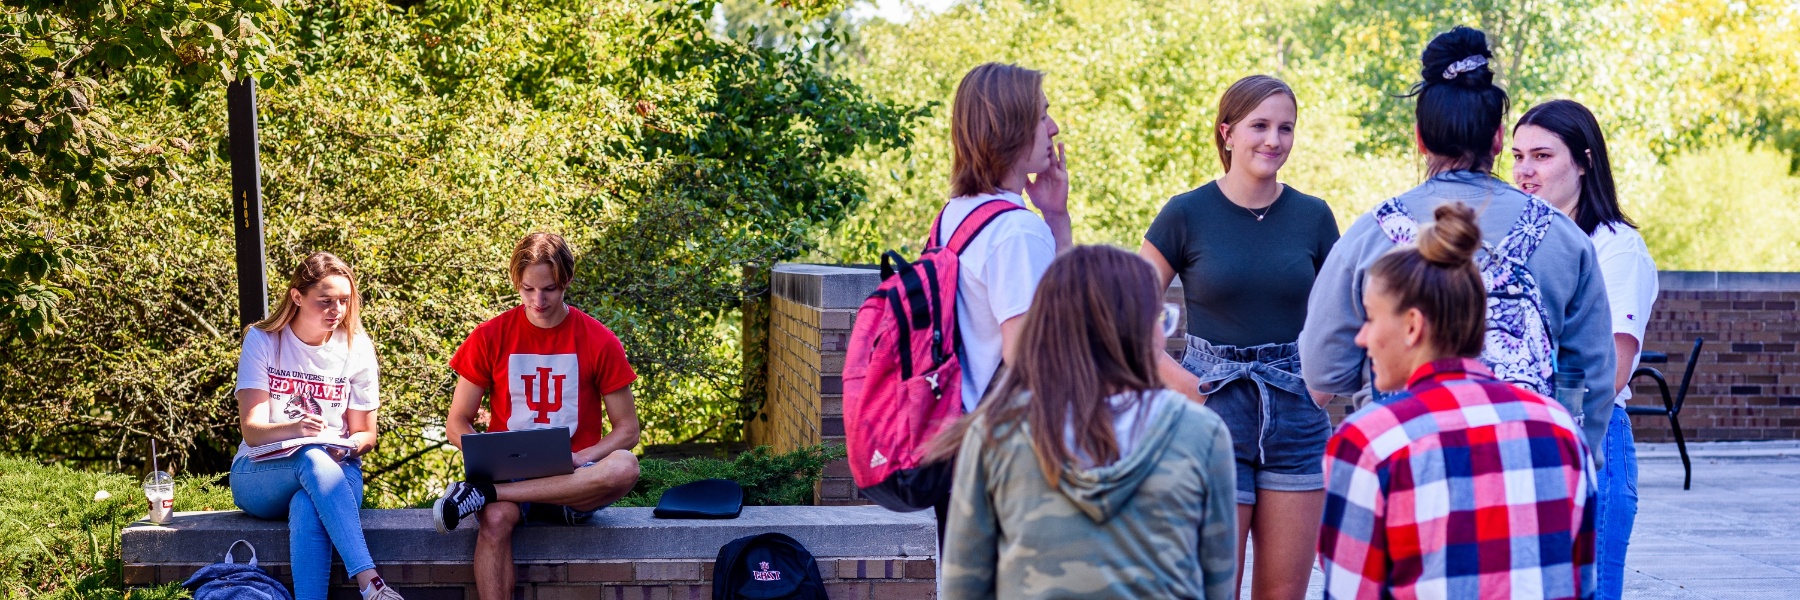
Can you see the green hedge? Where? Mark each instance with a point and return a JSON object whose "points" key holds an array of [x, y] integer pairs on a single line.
{"points": [[768, 479]]}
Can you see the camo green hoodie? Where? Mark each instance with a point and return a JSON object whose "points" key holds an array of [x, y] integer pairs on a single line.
{"points": [[1161, 522]]}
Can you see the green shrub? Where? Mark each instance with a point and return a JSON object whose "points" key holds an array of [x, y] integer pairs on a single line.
{"points": [[768, 479], [59, 538]]}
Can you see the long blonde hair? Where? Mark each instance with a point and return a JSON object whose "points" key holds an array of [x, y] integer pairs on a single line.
{"points": [[307, 275]]}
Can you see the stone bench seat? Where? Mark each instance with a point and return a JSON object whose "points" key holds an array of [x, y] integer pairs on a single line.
{"points": [[863, 551]]}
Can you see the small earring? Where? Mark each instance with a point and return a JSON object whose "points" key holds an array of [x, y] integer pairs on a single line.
{"points": [[1228, 148]]}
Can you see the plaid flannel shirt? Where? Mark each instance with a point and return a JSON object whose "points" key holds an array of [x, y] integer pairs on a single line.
{"points": [[1463, 486]]}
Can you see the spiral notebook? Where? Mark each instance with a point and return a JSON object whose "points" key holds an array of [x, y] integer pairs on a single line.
{"points": [[286, 448]]}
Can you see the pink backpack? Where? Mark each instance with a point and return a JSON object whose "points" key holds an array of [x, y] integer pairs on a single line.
{"points": [[902, 379]]}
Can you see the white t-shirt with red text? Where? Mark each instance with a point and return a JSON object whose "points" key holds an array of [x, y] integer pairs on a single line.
{"points": [[302, 379]]}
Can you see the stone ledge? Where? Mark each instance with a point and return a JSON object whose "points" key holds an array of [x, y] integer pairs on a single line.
{"points": [[1696, 281], [407, 536], [824, 286]]}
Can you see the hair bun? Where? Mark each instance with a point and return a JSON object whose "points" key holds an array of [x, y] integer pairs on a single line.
{"points": [[1453, 47], [1451, 240]]}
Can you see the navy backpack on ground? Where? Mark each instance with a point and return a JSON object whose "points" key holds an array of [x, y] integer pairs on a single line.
{"points": [[766, 567], [231, 580]]}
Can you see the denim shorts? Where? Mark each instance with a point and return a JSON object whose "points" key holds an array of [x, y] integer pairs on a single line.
{"points": [[1277, 434]]}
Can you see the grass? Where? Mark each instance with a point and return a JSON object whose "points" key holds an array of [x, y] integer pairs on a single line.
{"points": [[59, 536]]}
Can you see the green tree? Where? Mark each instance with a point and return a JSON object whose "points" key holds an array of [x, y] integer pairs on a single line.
{"points": [[420, 143], [60, 148], [1135, 84]]}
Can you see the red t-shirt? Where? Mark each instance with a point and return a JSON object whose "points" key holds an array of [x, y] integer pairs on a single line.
{"points": [[539, 377]]}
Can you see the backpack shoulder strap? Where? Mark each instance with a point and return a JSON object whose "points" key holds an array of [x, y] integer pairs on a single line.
{"points": [[1529, 231], [971, 225], [1395, 221]]}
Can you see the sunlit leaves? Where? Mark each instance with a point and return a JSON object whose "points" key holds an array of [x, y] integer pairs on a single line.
{"points": [[419, 143]]}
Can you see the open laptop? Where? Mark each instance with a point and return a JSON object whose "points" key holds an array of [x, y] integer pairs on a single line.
{"points": [[513, 455]]}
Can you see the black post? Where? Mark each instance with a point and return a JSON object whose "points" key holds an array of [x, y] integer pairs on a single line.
{"points": [[246, 202]]}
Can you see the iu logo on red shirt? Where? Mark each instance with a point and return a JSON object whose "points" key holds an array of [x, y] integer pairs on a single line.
{"points": [[544, 390]]}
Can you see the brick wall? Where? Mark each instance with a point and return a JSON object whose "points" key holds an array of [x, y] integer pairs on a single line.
{"points": [[864, 552], [1746, 385], [845, 579], [811, 309]]}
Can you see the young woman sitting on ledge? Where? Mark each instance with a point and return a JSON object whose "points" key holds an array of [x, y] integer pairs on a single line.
{"points": [[309, 371]]}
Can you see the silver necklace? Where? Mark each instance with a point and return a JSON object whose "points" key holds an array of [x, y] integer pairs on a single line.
{"points": [[1265, 212]]}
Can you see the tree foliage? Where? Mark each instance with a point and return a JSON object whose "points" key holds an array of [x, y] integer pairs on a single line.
{"points": [[1135, 86], [60, 146], [419, 143]]}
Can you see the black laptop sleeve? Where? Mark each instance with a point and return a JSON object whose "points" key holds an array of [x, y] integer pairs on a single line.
{"points": [[704, 499]]}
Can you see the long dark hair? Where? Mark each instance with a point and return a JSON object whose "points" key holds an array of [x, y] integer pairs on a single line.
{"points": [[1092, 333], [1458, 110], [1576, 126]]}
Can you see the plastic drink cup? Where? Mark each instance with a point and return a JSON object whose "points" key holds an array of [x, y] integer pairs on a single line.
{"points": [[1570, 391], [159, 490]]}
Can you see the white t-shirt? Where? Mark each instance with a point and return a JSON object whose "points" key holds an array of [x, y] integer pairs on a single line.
{"points": [[998, 273], [323, 380], [1631, 286]]}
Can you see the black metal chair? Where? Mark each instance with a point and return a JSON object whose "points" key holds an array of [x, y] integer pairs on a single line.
{"points": [[1671, 407]]}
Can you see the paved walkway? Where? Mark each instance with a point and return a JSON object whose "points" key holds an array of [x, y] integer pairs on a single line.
{"points": [[1734, 536]]}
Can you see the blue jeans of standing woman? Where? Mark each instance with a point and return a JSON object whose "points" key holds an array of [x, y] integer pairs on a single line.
{"points": [[321, 499], [1617, 509]]}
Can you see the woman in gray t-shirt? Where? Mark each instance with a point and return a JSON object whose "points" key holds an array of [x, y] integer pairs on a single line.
{"points": [[1247, 247]]}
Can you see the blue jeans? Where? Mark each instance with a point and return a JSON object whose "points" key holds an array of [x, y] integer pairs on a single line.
{"points": [[1617, 508], [321, 499]]}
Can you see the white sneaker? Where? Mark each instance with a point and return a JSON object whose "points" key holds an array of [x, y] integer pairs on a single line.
{"points": [[379, 590]]}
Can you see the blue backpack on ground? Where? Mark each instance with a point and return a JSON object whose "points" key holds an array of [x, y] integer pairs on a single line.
{"points": [[767, 566], [231, 580]]}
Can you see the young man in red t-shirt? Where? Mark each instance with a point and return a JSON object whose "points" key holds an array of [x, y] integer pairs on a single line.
{"points": [[543, 364]]}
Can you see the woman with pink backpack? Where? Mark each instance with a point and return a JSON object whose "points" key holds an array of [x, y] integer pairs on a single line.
{"points": [[930, 342]]}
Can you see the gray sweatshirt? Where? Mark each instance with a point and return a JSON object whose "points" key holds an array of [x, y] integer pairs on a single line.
{"points": [[1567, 273]]}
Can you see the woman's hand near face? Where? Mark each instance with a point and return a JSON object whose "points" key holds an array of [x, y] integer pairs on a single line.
{"points": [[1049, 191], [1050, 194]]}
